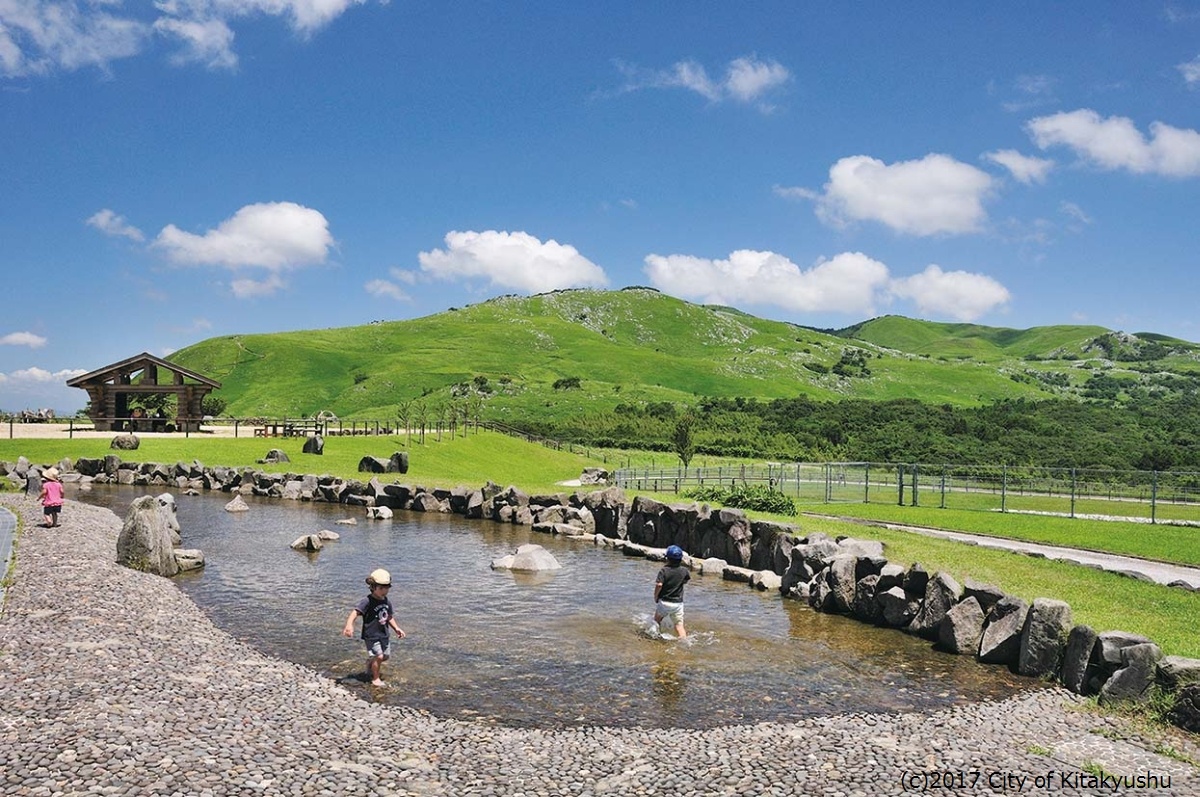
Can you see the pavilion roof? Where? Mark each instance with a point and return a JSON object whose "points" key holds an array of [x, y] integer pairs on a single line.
{"points": [[136, 363]]}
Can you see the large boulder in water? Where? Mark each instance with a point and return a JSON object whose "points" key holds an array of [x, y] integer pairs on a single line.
{"points": [[527, 558], [166, 505], [189, 559], [145, 542]]}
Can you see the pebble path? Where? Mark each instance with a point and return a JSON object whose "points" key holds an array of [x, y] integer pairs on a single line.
{"points": [[112, 682]]}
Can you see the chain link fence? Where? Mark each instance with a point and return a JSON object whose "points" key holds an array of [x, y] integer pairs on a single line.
{"points": [[1147, 496]]}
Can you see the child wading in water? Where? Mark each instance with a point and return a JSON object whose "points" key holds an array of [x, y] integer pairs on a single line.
{"points": [[377, 618], [52, 497], [668, 591]]}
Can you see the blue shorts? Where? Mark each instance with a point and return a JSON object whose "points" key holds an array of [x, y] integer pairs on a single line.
{"points": [[379, 647]]}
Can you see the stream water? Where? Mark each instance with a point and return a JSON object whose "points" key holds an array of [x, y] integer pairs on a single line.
{"points": [[565, 648]]}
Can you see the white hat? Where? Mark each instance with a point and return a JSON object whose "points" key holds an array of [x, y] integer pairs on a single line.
{"points": [[50, 473], [380, 578]]}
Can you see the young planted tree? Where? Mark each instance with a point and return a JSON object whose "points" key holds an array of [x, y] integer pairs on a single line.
{"points": [[404, 414], [421, 411], [683, 439]]}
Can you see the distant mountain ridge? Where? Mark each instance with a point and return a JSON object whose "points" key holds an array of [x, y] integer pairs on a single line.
{"points": [[574, 352]]}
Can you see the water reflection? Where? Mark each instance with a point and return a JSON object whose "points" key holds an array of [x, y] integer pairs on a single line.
{"points": [[562, 648], [668, 684]]}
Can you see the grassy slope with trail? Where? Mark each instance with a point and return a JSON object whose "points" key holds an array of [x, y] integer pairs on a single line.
{"points": [[638, 345]]}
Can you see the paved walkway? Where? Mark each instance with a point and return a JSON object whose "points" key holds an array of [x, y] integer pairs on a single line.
{"points": [[1146, 569]]}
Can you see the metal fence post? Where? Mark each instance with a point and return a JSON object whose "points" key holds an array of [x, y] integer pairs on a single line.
{"points": [[900, 484], [943, 503], [1073, 492], [1003, 488], [1153, 496], [916, 475]]}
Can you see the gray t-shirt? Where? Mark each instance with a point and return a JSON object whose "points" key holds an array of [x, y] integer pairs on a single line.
{"points": [[672, 578], [375, 615]]}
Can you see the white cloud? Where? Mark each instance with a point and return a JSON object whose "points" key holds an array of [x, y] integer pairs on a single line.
{"points": [[934, 195], [40, 36], [795, 192], [275, 236], [248, 288], [746, 79], [41, 376], [34, 388], [511, 260], [1191, 71], [37, 36], [23, 339], [205, 41], [1116, 143], [1074, 212], [386, 289], [958, 295], [110, 223], [270, 235], [1032, 90], [848, 283], [1024, 168]]}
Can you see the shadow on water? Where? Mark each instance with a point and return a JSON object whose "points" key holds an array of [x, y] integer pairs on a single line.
{"points": [[573, 647]]}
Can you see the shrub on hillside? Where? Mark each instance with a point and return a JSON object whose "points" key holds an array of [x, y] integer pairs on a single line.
{"points": [[755, 497]]}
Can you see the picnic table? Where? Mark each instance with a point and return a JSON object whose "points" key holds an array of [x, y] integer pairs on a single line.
{"points": [[285, 428]]}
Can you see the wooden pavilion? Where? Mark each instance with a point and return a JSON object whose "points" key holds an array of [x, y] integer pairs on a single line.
{"points": [[112, 387]]}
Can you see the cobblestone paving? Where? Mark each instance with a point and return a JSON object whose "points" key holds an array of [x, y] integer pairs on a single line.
{"points": [[112, 682]]}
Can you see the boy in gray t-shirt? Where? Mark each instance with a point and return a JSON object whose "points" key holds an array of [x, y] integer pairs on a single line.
{"points": [[377, 618], [668, 591]]}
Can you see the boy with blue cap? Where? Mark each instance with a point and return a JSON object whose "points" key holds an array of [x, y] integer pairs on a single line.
{"points": [[668, 591]]}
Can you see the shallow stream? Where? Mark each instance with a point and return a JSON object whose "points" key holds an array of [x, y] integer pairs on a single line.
{"points": [[567, 648]]}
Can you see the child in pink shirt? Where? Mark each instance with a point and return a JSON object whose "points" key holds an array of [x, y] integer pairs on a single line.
{"points": [[52, 497]]}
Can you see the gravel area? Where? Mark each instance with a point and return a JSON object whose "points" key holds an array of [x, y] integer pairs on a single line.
{"points": [[113, 682]]}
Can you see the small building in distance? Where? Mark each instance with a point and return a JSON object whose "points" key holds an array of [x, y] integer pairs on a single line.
{"points": [[110, 389]]}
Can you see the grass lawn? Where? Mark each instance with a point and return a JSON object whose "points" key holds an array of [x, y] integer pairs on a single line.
{"points": [[471, 460], [1103, 600], [1160, 542]]}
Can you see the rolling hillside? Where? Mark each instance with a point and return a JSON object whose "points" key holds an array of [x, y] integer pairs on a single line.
{"points": [[571, 353]]}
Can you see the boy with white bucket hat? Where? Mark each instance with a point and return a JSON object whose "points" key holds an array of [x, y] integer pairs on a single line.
{"points": [[377, 617]]}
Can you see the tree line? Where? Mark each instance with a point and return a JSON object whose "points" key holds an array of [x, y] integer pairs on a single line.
{"points": [[1152, 434]]}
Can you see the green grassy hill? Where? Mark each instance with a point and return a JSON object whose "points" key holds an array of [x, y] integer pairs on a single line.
{"points": [[506, 355]]}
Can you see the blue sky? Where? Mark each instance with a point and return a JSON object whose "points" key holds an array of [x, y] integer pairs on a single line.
{"points": [[183, 169]]}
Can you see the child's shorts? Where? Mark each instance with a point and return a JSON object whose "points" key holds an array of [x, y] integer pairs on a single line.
{"points": [[52, 509], [379, 647], [670, 611]]}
